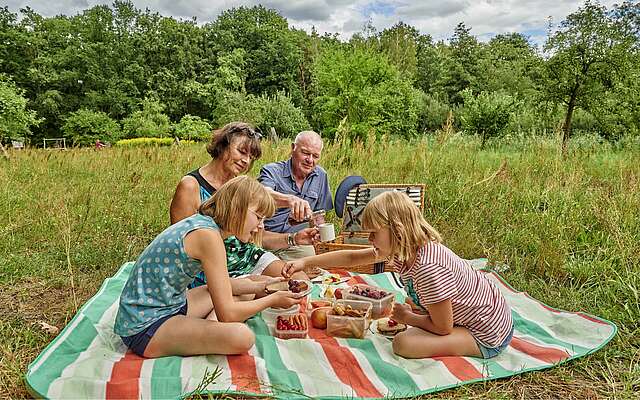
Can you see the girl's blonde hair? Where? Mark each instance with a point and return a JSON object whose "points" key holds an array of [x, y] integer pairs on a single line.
{"points": [[396, 211], [229, 205]]}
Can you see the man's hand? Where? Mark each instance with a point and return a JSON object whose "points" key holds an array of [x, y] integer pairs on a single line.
{"points": [[291, 267], [300, 209], [307, 236], [401, 313]]}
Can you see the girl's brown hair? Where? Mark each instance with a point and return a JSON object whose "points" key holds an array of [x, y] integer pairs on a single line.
{"points": [[396, 211], [229, 205]]}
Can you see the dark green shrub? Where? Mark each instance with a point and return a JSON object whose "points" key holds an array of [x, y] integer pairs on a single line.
{"points": [[85, 127]]}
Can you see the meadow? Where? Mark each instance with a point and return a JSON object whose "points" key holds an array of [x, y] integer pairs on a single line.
{"points": [[567, 227]]}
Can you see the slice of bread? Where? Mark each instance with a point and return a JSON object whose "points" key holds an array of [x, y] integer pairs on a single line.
{"points": [[384, 328]]}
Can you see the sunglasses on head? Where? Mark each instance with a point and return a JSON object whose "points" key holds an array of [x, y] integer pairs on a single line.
{"points": [[252, 133]]}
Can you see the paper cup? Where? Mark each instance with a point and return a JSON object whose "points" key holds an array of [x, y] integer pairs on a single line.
{"points": [[327, 232]]}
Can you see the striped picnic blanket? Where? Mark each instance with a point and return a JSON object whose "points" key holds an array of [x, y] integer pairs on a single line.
{"points": [[87, 360]]}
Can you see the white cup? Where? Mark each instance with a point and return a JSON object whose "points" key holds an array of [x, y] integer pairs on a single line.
{"points": [[327, 232]]}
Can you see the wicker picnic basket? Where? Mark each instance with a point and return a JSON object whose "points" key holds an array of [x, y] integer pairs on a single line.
{"points": [[351, 237]]}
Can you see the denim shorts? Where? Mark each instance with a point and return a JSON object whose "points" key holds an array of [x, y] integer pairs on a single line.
{"points": [[138, 343], [490, 352]]}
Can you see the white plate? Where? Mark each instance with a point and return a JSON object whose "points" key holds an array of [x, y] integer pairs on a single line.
{"points": [[374, 329]]}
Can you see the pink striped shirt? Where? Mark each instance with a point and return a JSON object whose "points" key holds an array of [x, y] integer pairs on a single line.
{"points": [[439, 274]]}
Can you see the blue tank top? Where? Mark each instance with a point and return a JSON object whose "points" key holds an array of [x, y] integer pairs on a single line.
{"points": [[157, 285]]}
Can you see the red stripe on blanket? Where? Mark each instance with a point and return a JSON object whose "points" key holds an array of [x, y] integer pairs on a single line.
{"points": [[345, 365], [592, 319], [546, 354], [546, 307], [243, 373], [460, 368], [125, 377]]}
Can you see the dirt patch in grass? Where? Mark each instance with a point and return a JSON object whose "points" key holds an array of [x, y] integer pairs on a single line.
{"points": [[22, 307]]}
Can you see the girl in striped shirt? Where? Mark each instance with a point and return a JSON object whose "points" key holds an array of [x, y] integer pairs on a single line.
{"points": [[459, 312]]}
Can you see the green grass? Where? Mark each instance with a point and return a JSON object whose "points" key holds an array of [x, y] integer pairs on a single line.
{"points": [[569, 228]]}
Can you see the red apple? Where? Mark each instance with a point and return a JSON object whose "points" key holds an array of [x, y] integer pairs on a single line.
{"points": [[319, 317], [338, 293]]}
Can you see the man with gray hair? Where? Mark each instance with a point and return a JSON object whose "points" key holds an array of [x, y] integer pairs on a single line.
{"points": [[300, 176]]}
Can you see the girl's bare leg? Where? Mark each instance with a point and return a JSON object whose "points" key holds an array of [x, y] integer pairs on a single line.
{"points": [[418, 343]]}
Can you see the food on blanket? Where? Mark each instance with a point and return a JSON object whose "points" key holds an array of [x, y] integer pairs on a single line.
{"points": [[381, 300], [337, 293], [297, 286], [320, 303], [294, 286], [347, 328], [331, 279], [296, 322], [388, 326], [291, 326], [368, 291], [347, 310], [319, 317]]}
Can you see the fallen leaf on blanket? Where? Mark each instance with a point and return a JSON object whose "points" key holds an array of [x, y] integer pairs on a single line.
{"points": [[50, 329]]}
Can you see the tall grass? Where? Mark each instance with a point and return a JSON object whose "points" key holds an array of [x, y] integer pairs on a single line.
{"points": [[568, 227]]}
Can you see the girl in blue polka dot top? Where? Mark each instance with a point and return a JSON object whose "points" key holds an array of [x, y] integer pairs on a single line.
{"points": [[159, 316]]}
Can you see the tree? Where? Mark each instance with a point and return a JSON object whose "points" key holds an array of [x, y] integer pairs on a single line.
{"points": [[84, 127], [400, 45], [272, 54], [360, 89], [587, 54], [15, 119], [487, 114]]}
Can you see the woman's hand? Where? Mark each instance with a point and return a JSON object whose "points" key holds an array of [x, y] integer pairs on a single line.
{"points": [[291, 267], [300, 209], [401, 313], [307, 236], [284, 299]]}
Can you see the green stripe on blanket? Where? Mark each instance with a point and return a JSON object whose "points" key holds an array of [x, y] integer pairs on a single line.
{"points": [[88, 361]]}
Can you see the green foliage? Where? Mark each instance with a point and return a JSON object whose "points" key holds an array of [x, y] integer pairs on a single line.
{"points": [[486, 114], [588, 53], [272, 55], [263, 111], [149, 122], [192, 127], [361, 91], [15, 118], [432, 113], [84, 127]]}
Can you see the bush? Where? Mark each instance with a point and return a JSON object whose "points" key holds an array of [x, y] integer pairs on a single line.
{"points": [[487, 114], [15, 119], [192, 128], [280, 113], [263, 111], [357, 91], [148, 141], [432, 113], [150, 122], [84, 127]]}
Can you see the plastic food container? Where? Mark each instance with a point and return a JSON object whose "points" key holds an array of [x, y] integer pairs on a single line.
{"points": [[292, 334], [269, 315], [379, 307], [349, 327]]}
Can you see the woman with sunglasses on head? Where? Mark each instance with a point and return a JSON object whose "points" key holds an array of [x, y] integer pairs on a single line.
{"points": [[233, 149]]}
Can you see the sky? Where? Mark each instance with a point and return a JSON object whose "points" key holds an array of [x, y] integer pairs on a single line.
{"points": [[486, 18]]}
